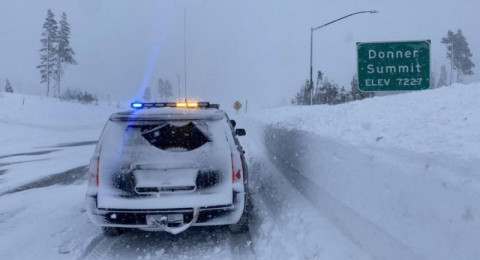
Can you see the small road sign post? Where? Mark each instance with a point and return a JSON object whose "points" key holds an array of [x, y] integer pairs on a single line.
{"points": [[237, 106], [393, 66]]}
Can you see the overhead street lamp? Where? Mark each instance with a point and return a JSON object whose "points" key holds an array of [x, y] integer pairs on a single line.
{"points": [[311, 44]]}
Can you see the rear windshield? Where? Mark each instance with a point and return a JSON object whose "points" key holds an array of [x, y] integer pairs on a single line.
{"points": [[174, 136]]}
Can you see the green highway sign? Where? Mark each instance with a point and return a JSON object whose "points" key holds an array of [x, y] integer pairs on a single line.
{"points": [[393, 66]]}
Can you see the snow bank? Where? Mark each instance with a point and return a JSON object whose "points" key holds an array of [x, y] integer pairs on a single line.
{"points": [[33, 127], [398, 175], [439, 121], [34, 121]]}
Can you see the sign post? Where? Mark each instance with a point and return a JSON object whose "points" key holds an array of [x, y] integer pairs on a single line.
{"points": [[237, 105], [393, 66]]}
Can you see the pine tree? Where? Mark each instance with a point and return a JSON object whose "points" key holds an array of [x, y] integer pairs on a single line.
{"points": [[442, 81], [147, 96], [64, 52], [355, 93], [459, 54], [432, 79], [8, 87], [303, 95], [47, 52], [164, 89], [332, 91], [343, 95]]}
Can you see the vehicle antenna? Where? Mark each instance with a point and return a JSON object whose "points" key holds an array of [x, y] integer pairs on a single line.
{"points": [[179, 88], [185, 48]]}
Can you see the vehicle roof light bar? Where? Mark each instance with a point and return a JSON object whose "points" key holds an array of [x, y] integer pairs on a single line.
{"points": [[137, 105], [140, 105]]}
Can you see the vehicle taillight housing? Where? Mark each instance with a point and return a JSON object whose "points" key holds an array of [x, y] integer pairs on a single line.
{"points": [[93, 172], [236, 168]]}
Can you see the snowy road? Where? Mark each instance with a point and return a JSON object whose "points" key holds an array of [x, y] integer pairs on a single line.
{"points": [[53, 209], [327, 182], [196, 243], [297, 209], [287, 147], [48, 216]]}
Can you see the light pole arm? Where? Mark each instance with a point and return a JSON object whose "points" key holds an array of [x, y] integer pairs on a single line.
{"points": [[341, 18]]}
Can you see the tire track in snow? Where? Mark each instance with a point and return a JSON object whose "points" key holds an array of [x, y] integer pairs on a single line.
{"points": [[99, 247], [84, 143], [285, 225], [241, 244], [20, 162], [195, 243], [68, 177], [29, 153], [283, 144], [265, 202]]}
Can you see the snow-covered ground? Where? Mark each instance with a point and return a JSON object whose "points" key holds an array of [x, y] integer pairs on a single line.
{"points": [[42, 136], [398, 175], [442, 121], [394, 177]]}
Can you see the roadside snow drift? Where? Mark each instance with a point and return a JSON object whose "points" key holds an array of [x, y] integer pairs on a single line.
{"points": [[399, 175], [43, 136], [33, 121]]}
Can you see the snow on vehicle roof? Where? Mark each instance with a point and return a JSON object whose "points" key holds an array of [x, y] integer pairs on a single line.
{"points": [[169, 113]]}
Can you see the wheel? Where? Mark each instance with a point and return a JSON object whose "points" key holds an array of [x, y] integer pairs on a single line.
{"points": [[112, 231], [242, 225]]}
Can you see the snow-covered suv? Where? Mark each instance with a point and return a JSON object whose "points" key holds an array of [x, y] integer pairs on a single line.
{"points": [[166, 167]]}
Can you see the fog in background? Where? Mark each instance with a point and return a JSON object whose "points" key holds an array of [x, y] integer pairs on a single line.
{"points": [[236, 50]]}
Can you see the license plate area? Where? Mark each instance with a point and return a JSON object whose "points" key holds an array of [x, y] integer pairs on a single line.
{"points": [[165, 219]]}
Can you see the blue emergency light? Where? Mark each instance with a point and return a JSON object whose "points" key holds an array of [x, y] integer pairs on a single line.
{"points": [[137, 105]]}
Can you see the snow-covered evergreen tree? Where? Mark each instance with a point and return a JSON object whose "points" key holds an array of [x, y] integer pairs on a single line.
{"points": [[8, 87], [64, 52], [303, 95], [355, 93], [342, 95], [47, 52], [442, 81], [147, 96], [331, 92], [459, 54], [164, 89], [433, 79]]}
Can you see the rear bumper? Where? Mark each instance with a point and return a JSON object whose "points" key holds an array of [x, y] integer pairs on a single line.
{"points": [[137, 218]]}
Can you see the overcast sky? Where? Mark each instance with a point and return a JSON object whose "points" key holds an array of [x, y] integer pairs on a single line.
{"points": [[248, 49]]}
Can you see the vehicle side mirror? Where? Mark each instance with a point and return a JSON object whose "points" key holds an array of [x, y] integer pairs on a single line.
{"points": [[240, 132], [233, 123]]}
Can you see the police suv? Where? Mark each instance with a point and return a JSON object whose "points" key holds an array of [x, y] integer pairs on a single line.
{"points": [[167, 167]]}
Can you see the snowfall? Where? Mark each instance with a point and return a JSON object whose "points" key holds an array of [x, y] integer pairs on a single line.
{"points": [[392, 177]]}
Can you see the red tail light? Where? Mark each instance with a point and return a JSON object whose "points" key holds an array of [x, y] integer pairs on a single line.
{"points": [[93, 172], [233, 169], [239, 174], [236, 170]]}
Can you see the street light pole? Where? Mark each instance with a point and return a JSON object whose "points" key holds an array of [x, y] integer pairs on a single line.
{"points": [[311, 44], [311, 67]]}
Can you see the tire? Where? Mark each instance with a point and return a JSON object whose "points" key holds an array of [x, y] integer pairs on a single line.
{"points": [[112, 231], [242, 225]]}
